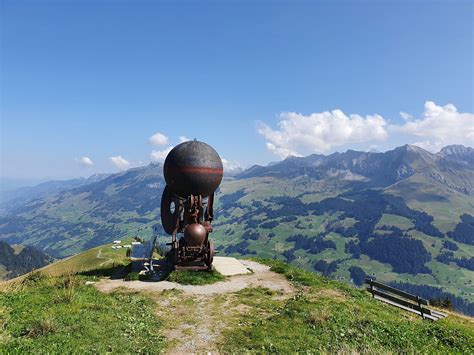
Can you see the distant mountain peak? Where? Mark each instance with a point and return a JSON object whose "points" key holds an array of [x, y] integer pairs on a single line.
{"points": [[411, 148], [456, 149], [291, 158], [459, 153]]}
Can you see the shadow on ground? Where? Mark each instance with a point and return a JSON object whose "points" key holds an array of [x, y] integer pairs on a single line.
{"points": [[161, 270], [114, 272]]}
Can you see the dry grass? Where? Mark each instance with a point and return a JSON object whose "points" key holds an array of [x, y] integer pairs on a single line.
{"points": [[319, 317], [42, 327]]}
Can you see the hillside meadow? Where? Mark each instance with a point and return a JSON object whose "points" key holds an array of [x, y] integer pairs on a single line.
{"points": [[57, 312]]}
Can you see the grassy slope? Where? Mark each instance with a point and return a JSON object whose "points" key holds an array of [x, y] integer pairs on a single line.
{"points": [[330, 316], [44, 314], [54, 310], [58, 312], [95, 258], [444, 204]]}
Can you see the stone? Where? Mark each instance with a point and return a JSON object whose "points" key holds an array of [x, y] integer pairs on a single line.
{"points": [[228, 266]]}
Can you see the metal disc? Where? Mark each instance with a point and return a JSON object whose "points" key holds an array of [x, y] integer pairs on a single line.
{"points": [[168, 218]]}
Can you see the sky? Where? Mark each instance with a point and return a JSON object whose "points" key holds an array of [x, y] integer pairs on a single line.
{"points": [[102, 86]]}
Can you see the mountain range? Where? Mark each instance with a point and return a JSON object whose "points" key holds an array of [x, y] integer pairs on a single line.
{"points": [[404, 215], [10, 199], [452, 166]]}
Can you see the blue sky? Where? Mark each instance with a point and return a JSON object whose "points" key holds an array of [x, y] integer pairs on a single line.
{"points": [[97, 79]]}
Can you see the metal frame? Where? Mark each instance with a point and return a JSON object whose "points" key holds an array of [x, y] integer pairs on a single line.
{"points": [[187, 211]]}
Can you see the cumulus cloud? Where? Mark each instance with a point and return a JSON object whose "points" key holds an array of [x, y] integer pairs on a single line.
{"points": [[231, 167], [158, 139], [160, 155], [119, 162], [85, 161], [321, 132], [440, 126]]}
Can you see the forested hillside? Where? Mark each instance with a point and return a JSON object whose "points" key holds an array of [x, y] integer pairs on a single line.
{"points": [[13, 263]]}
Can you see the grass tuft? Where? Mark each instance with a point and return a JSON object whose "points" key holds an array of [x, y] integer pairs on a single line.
{"points": [[135, 276], [42, 328], [132, 276]]}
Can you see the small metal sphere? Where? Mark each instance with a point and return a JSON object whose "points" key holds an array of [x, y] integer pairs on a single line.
{"points": [[194, 234], [193, 168]]}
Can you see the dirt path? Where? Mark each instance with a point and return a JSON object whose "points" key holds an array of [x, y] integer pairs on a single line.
{"points": [[99, 256], [195, 316]]}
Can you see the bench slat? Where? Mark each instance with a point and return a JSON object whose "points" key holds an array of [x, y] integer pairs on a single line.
{"points": [[438, 314], [427, 316], [401, 301], [397, 292]]}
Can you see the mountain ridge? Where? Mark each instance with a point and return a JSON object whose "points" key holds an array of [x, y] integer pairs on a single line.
{"points": [[382, 169]]}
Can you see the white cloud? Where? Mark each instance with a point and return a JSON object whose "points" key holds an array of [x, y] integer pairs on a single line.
{"points": [[406, 116], [231, 167], [183, 139], [85, 161], [321, 132], [120, 162], [158, 139], [440, 126], [281, 151], [160, 155]]}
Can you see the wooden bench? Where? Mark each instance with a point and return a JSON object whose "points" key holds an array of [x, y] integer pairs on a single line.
{"points": [[403, 300]]}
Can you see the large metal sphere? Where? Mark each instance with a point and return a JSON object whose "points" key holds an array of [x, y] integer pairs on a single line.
{"points": [[193, 168], [194, 234]]}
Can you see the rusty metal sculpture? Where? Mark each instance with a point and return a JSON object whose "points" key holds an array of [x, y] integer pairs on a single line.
{"points": [[193, 171]]}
